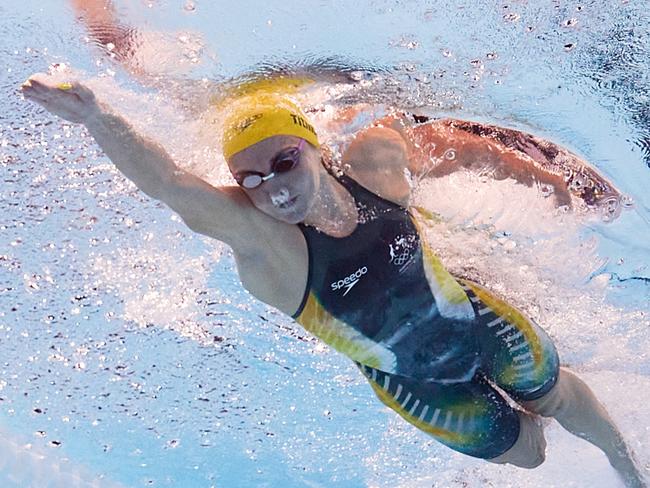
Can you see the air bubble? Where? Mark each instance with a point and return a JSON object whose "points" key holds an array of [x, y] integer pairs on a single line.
{"points": [[578, 183], [627, 201], [546, 190], [610, 209], [406, 42]]}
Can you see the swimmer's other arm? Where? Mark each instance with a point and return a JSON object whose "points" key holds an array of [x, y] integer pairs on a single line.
{"points": [[217, 212], [443, 146], [492, 151], [448, 145], [440, 147]]}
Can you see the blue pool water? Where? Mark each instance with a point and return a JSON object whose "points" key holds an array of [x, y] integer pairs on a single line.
{"points": [[131, 355]]}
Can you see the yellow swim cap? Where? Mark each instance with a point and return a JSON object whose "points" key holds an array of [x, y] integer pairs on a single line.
{"points": [[255, 117]]}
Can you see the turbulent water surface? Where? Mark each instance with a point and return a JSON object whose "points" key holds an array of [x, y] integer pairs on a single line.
{"points": [[131, 355]]}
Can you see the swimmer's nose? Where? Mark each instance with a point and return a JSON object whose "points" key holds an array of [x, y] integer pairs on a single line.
{"points": [[279, 197]]}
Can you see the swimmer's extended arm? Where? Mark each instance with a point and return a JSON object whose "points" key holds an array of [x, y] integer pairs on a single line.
{"points": [[217, 212]]}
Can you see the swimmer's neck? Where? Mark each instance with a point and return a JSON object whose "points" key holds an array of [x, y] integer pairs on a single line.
{"points": [[333, 210]]}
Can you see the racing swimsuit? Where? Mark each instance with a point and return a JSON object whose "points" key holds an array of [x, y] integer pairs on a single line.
{"points": [[432, 346]]}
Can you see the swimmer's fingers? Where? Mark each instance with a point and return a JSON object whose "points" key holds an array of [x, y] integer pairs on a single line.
{"points": [[45, 85], [41, 82], [70, 100]]}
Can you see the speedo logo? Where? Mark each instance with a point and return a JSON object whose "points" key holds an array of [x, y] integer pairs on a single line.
{"points": [[349, 281], [246, 123]]}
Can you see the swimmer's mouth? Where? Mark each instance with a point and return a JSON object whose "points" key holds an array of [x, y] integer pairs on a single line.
{"points": [[289, 203]]}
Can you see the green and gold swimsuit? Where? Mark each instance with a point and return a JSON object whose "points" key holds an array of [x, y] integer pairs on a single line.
{"points": [[429, 344], [368, 297]]}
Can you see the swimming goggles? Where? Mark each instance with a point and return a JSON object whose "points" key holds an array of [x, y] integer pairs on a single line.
{"points": [[284, 161]]}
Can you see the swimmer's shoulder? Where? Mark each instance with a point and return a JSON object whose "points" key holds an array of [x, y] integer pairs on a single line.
{"points": [[377, 158]]}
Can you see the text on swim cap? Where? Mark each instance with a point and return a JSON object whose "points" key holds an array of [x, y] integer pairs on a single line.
{"points": [[298, 120]]}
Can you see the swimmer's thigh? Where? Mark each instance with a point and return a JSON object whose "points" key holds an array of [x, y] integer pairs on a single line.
{"points": [[471, 417], [516, 354]]}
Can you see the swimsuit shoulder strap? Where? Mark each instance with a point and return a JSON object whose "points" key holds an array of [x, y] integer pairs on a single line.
{"points": [[363, 195]]}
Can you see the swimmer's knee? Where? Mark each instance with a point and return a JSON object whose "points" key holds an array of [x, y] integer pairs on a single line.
{"points": [[529, 450], [531, 461], [550, 405], [557, 399]]}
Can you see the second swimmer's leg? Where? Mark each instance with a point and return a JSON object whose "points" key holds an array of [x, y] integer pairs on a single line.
{"points": [[572, 403]]}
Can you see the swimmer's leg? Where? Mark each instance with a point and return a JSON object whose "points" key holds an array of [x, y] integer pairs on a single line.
{"points": [[470, 417], [572, 403], [529, 451], [520, 358]]}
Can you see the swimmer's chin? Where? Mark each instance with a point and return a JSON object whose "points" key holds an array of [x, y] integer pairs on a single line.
{"points": [[295, 213], [292, 215], [292, 218]]}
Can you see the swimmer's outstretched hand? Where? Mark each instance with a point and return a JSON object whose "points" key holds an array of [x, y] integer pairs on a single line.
{"points": [[69, 100]]}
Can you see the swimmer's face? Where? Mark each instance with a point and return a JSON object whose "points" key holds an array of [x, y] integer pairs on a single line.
{"points": [[288, 195]]}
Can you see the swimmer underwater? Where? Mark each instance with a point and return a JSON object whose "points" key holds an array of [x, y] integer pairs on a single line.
{"points": [[342, 253]]}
